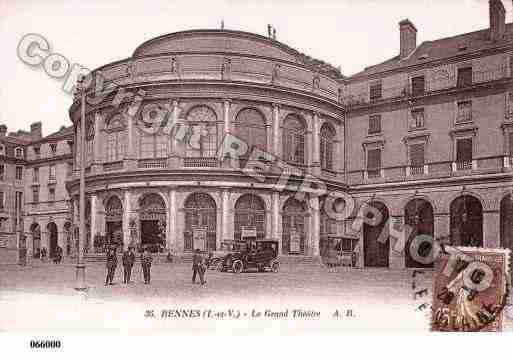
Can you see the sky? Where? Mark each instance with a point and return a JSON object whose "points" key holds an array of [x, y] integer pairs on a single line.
{"points": [[351, 34]]}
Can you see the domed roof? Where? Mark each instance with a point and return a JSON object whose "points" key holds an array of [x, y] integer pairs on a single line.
{"points": [[217, 41]]}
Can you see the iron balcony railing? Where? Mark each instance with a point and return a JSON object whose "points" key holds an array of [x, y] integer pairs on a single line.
{"points": [[152, 163], [200, 162]]}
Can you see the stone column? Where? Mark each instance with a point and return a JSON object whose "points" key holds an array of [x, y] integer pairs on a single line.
{"points": [[126, 218], [276, 220], [76, 220], [397, 242], [130, 156], [226, 117], [94, 219], [225, 211], [97, 145], [338, 158], [171, 221], [491, 229], [276, 131], [441, 225], [314, 227], [314, 146], [174, 159]]}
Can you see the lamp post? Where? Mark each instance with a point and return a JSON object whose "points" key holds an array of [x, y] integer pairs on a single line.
{"points": [[80, 269]]}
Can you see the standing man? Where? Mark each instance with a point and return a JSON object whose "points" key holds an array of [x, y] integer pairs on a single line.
{"points": [[197, 266], [128, 263], [112, 262], [146, 260]]}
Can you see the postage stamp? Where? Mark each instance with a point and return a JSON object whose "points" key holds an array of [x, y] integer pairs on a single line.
{"points": [[470, 289]]}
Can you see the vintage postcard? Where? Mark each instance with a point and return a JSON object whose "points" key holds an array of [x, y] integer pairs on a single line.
{"points": [[247, 167]]}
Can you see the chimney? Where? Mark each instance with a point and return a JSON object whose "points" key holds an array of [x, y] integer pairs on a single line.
{"points": [[497, 20], [408, 40], [36, 131], [3, 130]]}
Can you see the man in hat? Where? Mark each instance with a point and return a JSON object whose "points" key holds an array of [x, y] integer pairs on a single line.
{"points": [[128, 262], [112, 262], [198, 267], [146, 260]]}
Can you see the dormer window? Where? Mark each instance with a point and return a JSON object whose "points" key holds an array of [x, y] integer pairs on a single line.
{"points": [[18, 152], [37, 152]]}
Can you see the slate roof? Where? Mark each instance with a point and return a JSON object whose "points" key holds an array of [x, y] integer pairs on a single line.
{"points": [[440, 49]]}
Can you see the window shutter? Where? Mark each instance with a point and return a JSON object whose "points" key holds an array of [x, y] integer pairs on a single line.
{"points": [[464, 150], [511, 143], [374, 159], [417, 155]]}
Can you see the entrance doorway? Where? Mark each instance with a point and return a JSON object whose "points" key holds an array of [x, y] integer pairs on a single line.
{"points": [[467, 222], [376, 252], [418, 216], [152, 216], [36, 240], [114, 221], [52, 239]]}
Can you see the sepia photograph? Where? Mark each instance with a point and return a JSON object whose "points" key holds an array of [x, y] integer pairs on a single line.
{"points": [[255, 167]]}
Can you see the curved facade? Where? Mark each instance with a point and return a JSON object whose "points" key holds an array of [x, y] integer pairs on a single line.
{"points": [[175, 184]]}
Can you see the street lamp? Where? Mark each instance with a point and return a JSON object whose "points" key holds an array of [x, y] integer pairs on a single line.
{"points": [[80, 269]]}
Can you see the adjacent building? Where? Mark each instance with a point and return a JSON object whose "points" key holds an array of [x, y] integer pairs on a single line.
{"points": [[426, 138]]}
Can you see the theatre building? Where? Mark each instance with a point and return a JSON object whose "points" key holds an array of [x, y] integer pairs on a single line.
{"points": [[425, 138], [150, 186]]}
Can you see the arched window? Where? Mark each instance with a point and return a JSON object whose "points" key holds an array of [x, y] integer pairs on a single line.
{"points": [[327, 139], [201, 138], [153, 145], [200, 222], [250, 127], [249, 217], [294, 227], [294, 140], [115, 139]]}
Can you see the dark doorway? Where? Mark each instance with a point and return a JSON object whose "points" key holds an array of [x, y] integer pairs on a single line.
{"points": [[376, 253], [152, 216], [419, 217], [36, 240], [467, 222], [507, 222], [52, 239]]}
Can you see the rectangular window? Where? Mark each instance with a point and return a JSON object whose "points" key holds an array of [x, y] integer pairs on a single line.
{"points": [[417, 118], [376, 91], [374, 124], [69, 169], [1, 201], [37, 152], [51, 194], [374, 162], [35, 177], [464, 76], [19, 173], [464, 112], [53, 149], [161, 146], [418, 85], [464, 153], [51, 173], [18, 153], [2, 171], [35, 195]]}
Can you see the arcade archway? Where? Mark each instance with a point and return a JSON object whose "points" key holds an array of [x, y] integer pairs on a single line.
{"points": [[250, 218], [506, 220], [467, 222], [51, 228], [376, 252], [114, 220], [294, 227], [418, 215], [200, 222], [152, 217], [35, 231]]}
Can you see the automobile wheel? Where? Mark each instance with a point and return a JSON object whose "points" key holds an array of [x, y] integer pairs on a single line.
{"points": [[237, 266], [275, 267], [220, 266]]}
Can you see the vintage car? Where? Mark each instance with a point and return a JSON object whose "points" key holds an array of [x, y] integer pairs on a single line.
{"points": [[253, 254], [215, 258]]}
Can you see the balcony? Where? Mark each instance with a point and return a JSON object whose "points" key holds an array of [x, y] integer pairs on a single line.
{"points": [[152, 163], [433, 170], [113, 166], [198, 162]]}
